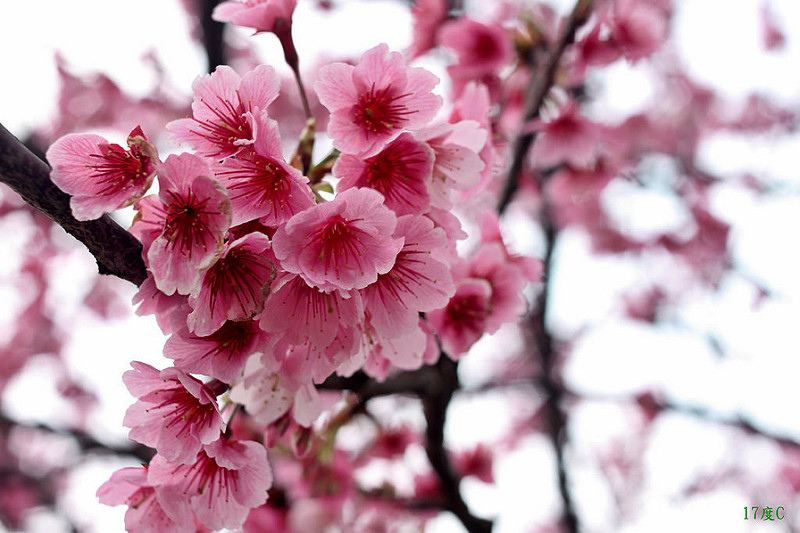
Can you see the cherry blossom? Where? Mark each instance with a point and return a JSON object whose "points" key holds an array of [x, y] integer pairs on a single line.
{"points": [[225, 481], [102, 177], [176, 413], [343, 244], [224, 110], [371, 103], [262, 15]]}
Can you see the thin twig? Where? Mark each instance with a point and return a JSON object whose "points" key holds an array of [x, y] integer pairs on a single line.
{"points": [[541, 85]]}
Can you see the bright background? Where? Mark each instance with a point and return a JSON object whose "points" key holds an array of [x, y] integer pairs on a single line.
{"points": [[612, 358]]}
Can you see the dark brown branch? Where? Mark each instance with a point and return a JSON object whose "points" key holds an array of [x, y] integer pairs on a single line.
{"points": [[212, 34], [117, 252], [434, 406], [550, 380], [542, 82]]}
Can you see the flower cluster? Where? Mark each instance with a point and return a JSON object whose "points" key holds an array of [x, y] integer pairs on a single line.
{"points": [[265, 288]]}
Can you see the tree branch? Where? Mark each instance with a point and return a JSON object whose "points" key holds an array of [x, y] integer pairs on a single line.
{"points": [[116, 251], [212, 35], [541, 85]]}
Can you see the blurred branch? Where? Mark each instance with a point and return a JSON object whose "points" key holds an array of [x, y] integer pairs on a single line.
{"points": [[212, 34], [435, 386], [654, 404], [542, 82], [86, 442], [117, 252]]}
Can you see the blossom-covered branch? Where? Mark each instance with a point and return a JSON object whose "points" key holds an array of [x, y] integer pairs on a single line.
{"points": [[117, 252]]}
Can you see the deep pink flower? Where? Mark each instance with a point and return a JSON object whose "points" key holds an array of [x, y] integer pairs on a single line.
{"points": [[373, 102], [227, 479], [474, 104], [401, 172], [154, 302], [568, 138], [262, 15], [481, 50], [234, 287], [176, 414], [638, 28], [196, 213], [417, 282], [297, 311], [221, 355], [260, 183], [463, 321], [102, 177], [224, 110], [129, 486], [343, 244]]}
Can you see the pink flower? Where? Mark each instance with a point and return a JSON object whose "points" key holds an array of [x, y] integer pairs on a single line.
{"points": [[416, 283], [343, 244], [196, 213], [380, 355], [568, 138], [224, 110], [463, 321], [129, 486], [154, 302], [297, 311], [772, 35], [261, 185], [427, 16], [221, 355], [457, 165], [638, 28], [176, 413], [234, 287], [263, 15], [102, 177], [401, 172], [226, 480], [481, 50], [374, 101]]}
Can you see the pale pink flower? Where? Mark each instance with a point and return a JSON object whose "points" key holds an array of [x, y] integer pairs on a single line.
{"points": [[463, 321], [401, 172], [99, 176], [224, 110], [343, 244], [221, 355], [474, 104], [262, 15], [380, 355], [481, 50], [297, 311], [129, 486], [234, 287], [268, 395], [196, 213], [176, 414], [417, 282], [260, 183], [373, 102], [457, 165], [227, 479]]}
